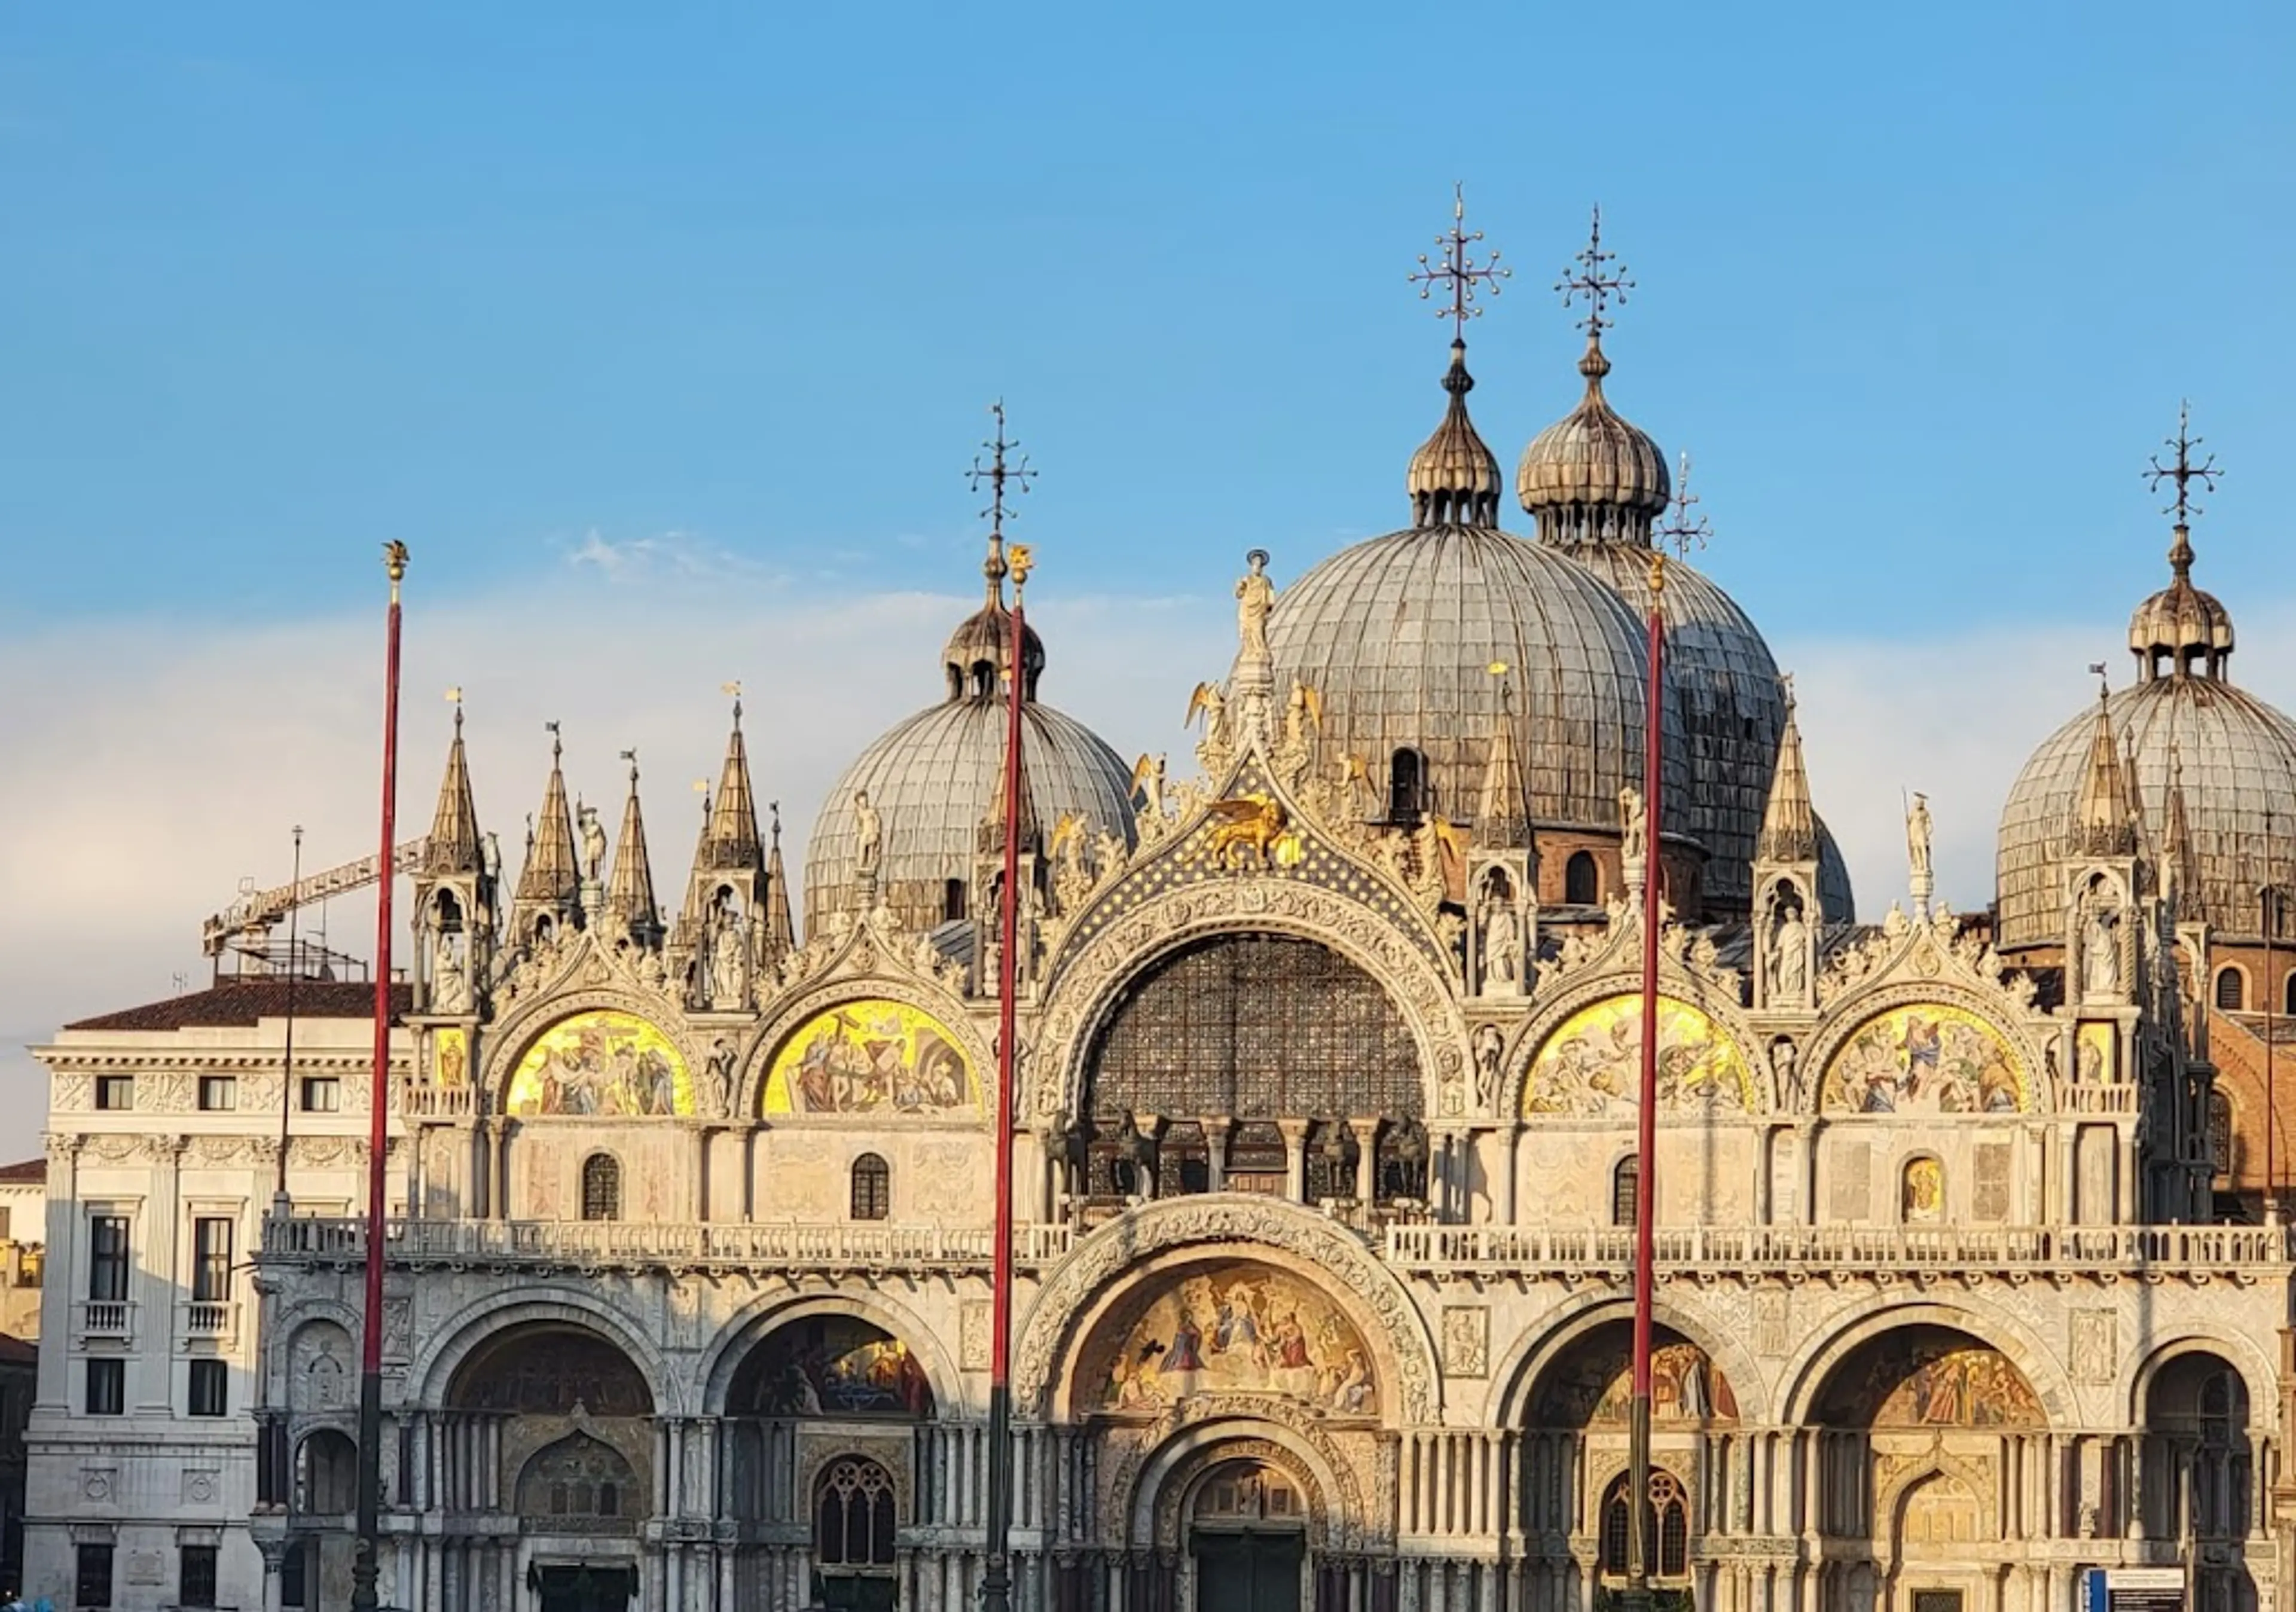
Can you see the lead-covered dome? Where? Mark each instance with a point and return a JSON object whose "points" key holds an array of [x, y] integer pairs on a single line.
{"points": [[1399, 635], [933, 779], [2213, 766], [1595, 483]]}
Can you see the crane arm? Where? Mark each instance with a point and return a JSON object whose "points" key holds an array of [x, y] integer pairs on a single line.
{"points": [[255, 913]]}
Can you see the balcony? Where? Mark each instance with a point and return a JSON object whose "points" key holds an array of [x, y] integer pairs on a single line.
{"points": [[2240, 1254], [201, 1321], [831, 1249], [112, 1320]]}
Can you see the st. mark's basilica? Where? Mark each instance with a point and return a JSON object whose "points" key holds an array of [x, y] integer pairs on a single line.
{"points": [[1970, 1277]]}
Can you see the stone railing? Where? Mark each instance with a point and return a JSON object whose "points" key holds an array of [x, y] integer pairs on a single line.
{"points": [[1498, 1251], [836, 1247]]}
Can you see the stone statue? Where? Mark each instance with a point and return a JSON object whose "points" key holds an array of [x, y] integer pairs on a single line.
{"points": [[1255, 597], [1783, 1062], [1212, 705], [1490, 1046], [490, 856], [868, 833], [593, 842], [450, 981], [1790, 956], [1304, 707], [2101, 955], [1148, 784], [1502, 947], [728, 978], [721, 1073], [1917, 837], [1634, 836]]}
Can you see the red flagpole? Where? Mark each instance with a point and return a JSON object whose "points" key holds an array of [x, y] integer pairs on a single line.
{"points": [[365, 1563], [996, 1580], [1638, 1541]]}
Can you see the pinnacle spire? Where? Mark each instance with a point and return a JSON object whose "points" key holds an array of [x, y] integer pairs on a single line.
{"points": [[731, 840], [1503, 815], [456, 847], [1789, 821], [629, 894], [781, 934], [2181, 865], [551, 877], [2104, 815]]}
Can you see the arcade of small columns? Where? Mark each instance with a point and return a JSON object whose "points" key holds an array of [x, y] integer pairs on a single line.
{"points": [[1791, 1512]]}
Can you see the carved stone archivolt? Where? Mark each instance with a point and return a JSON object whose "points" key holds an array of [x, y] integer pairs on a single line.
{"points": [[1049, 1337], [1092, 980]]}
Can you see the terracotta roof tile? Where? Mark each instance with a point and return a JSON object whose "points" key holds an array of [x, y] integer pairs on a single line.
{"points": [[243, 1002]]}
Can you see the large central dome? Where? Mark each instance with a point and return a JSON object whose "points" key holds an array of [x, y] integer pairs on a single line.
{"points": [[1399, 635]]}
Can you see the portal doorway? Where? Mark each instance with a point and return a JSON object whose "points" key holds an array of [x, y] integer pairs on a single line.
{"points": [[1248, 1532], [586, 1589]]}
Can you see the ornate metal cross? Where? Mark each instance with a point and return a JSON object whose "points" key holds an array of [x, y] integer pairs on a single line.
{"points": [[1591, 280], [1682, 529], [2184, 472], [998, 472], [1458, 270]]}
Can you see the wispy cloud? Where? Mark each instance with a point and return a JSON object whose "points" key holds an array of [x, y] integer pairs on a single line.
{"points": [[162, 763]]}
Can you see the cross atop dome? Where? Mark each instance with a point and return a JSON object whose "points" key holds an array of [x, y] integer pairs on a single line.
{"points": [[1591, 279], [2184, 472], [1683, 530], [1457, 270]]}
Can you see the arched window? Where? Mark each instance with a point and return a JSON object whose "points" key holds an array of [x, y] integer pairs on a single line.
{"points": [[952, 901], [1665, 1528], [2288, 994], [873, 1188], [2232, 990], [1582, 882], [853, 1516], [1406, 785], [602, 1187], [1625, 1182]]}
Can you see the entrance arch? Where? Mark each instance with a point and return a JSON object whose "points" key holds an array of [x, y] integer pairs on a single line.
{"points": [[2198, 1463]]}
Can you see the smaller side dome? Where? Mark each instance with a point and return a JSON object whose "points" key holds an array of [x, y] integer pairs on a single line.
{"points": [[974, 659], [1454, 478], [1594, 477], [2181, 629]]}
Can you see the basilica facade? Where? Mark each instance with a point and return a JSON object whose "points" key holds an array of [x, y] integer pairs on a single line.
{"points": [[1325, 1113]]}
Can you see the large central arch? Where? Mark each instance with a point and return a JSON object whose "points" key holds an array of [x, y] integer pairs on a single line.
{"points": [[1109, 1266]]}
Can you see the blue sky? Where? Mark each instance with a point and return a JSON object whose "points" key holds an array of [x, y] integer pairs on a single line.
{"points": [[664, 335], [1919, 286]]}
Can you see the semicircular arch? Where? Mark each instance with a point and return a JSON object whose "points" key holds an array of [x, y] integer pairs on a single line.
{"points": [[1518, 1375], [454, 1339], [749, 1327], [1107, 1269], [1803, 1385], [1702, 997], [1096, 980], [1151, 1488], [1845, 1020], [2138, 1374], [944, 1011], [640, 1017]]}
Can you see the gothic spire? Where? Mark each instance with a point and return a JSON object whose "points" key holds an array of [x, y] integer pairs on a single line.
{"points": [[2181, 866], [731, 840], [2105, 816], [781, 934], [551, 877], [629, 894], [456, 847], [1789, 821], [1503, 815]]}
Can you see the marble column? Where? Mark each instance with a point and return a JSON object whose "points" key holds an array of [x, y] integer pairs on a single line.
{"points": [[1216, 1129], [1295, 1158], [1366, 1135]]}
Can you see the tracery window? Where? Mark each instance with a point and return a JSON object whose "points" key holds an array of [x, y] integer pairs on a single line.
{"points": [[853, 1515], [1666, 1526], [578, 1485], [602, 1187], [1256, 1026]]}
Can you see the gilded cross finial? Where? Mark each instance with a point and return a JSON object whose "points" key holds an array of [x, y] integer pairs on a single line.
{"points": [[1591, 279], [1684, 529], [1457, 270], [454, 699], [999, 473], [2103, 681], [733, 690], [631, 756], [2184, 472], [557, 746]]}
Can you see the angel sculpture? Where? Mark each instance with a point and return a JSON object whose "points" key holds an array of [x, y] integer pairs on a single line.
{"points": [[1071, 875], [1305, 706], [1148, 785], [1212, 705]]}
